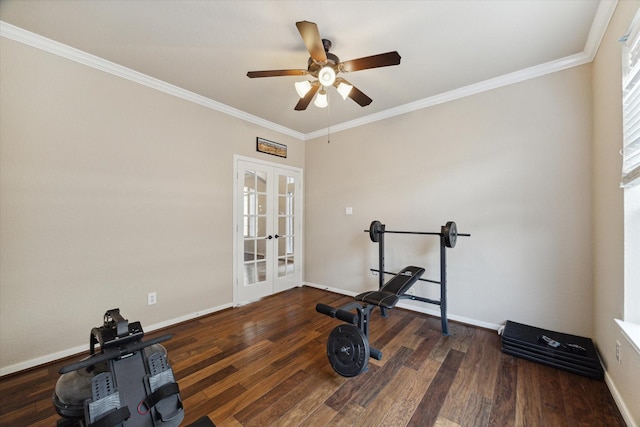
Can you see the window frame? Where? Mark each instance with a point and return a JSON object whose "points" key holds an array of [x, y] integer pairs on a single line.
{"points": [[630, 325]]}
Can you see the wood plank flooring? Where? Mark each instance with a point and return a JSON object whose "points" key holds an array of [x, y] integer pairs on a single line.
{"points": [[265, 364]]}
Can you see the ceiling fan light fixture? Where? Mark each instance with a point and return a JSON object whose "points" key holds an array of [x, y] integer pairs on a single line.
{"points": [[344, 89], [323, 66], [327, 76], [321, 99], [303, 87]]}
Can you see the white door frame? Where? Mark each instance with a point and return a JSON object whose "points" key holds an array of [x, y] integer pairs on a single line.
{"points": [[237, 209]]}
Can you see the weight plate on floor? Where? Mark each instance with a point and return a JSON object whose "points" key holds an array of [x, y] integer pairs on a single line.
{"points": [[450, 232], [348, 350], [374, 231]]}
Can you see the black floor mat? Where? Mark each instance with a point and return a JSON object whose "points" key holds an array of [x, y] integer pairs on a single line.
{"points": [[568, 352]]}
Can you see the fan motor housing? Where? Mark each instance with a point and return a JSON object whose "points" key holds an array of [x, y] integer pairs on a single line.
{"points": [[314, 67]]}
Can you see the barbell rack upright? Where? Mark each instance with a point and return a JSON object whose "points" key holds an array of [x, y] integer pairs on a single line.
{"points": [[443, 273], [443, 286]]}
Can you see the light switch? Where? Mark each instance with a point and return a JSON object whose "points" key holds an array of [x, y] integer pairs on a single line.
{"points": [[348, 210]]}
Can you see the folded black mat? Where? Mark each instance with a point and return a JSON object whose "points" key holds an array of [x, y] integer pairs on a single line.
{"points": [[568, 352]]}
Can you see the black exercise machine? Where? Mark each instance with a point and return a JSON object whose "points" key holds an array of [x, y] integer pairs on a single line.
{"points": [[348, 346], [128, 383]]}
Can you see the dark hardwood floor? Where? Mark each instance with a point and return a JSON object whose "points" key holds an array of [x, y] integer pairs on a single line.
{"points": [[265, 364]]}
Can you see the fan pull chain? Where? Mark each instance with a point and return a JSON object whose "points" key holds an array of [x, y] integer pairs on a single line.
{"points": [[328, 120]]}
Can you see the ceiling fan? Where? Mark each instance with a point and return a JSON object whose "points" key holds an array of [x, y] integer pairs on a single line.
{"points": [[325, 67]]}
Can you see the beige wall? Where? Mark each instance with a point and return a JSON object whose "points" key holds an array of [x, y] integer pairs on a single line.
{"points": [[608, 212], [511, 166], [109, 190]]}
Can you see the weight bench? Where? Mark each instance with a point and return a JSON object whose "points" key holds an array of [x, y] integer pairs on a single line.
{"points": [[396, 288], [348, 346]]}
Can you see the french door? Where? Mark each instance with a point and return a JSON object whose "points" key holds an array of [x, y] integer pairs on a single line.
{"points": [[268, 218]]}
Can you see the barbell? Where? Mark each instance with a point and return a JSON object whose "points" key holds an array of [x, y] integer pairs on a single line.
{"points": [[448, 232]]}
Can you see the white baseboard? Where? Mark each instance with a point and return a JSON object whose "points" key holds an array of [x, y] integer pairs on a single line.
{"points": [[28, 364], [187, 317], [619, 402], [330, 289]]}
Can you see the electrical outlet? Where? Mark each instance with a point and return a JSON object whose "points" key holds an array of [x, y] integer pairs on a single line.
{"points": [[152, 298], [618, 352]]}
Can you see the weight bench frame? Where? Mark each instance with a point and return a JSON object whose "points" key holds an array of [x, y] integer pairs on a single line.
{"points": [[442, 302], [348, 346]]}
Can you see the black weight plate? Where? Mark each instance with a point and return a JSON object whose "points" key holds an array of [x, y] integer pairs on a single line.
{"points": [[450, 234], [348, 350], [374, 231]]}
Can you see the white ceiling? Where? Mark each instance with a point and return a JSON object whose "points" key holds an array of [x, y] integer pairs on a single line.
{"points": [[207, 47]]}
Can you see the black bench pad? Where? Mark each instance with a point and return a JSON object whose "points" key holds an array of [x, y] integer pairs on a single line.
{"points": [[390, 294]]}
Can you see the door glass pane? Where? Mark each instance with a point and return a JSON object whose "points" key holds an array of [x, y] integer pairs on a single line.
{"points": [[285, 246], [249, 250], [262, 227], [261, 182], [282, 184], [261, 270], [283, 205], [250, 226], [282, 226], [249, 273], [262, 204], [286, 184], [261, 247], [250, 180]]}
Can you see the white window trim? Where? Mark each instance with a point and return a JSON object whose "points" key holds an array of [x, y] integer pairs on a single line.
{"points": [[631, 331], [631, 104], [631, 169]]}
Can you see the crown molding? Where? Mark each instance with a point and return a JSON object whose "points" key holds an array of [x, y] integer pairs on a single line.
{"points": [[601, 20], [599, 27], [463, 92], [39, 42], [596, 33]]}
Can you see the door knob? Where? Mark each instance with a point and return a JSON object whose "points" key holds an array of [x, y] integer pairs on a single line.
{"points": [[277, 236], [269, 237]]}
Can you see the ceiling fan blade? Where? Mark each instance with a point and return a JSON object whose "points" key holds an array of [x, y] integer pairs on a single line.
{"points": [[312, 40], [374, 61], [356, 94], [276, 73], [359, 97], [304, 102]]}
